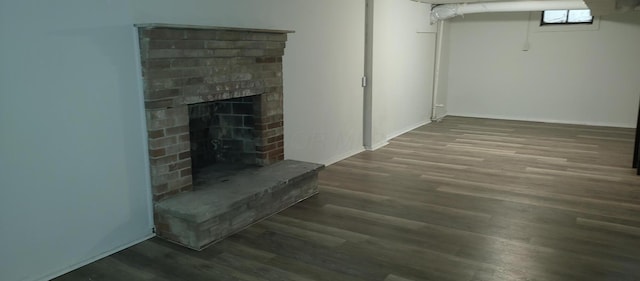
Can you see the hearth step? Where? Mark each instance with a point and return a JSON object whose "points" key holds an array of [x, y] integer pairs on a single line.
{"points": [[202, 217]]}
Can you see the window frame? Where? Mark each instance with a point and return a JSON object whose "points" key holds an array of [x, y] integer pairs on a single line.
{"points": [[543, 23], [536, 18]]}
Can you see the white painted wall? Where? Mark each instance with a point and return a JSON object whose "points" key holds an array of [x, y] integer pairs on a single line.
{"points": [[403, 57], [72, 160], [580, 77], [323, 64], [70, 94]]}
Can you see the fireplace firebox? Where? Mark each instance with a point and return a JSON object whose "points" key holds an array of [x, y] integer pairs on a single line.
{"points": [[222, 136]]}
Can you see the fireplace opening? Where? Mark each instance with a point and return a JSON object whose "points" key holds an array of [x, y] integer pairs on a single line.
{"points": [[223, 138]]}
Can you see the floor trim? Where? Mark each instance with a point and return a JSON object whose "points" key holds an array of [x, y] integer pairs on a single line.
{"points": [[408, 129], [553, 121], [93, 259]]}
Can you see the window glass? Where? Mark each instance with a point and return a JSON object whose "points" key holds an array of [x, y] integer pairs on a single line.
{"points": [[576, 16], [555, 16]]}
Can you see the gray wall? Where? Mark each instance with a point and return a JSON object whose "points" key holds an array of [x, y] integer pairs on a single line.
{"points": [[73, 151], [581, 77], [72, 157], [403, 58], [72, 154]]}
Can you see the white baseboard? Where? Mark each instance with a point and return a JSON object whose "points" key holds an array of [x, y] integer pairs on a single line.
{"points": [[397, 133], [407, 129], [377, 146], [93, 259], [342, 156], [544, 120]]}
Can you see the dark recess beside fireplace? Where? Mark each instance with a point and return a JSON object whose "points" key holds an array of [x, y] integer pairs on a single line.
{"points": [[214, 108]]}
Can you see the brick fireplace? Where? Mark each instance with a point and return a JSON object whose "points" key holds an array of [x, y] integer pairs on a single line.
{"points": [[190, 66], [216, 95]]}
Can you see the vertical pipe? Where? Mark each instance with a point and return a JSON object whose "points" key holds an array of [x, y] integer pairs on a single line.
{"points": [[368, 73], [636, 147], [436, 71]]}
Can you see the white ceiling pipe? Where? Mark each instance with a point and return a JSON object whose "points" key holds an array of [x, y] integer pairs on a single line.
{"points": [[447, 11]]}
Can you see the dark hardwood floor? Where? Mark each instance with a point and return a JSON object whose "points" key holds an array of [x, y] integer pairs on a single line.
{"points": [[463, 199]]}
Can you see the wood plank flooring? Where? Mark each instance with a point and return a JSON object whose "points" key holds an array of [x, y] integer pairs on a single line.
{"points": [[463, 199]]}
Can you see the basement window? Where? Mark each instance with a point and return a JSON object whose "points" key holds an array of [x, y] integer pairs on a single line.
{"points": [[562, 17]]}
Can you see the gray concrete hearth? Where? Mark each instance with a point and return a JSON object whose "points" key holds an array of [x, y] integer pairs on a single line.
{"points": [[222, 206]]}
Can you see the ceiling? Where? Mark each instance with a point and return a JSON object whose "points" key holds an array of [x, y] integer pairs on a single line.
{"points": [[598, 7]]}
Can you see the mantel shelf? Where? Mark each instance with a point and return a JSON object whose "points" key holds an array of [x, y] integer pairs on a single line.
{"points": [[185, 26]]}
